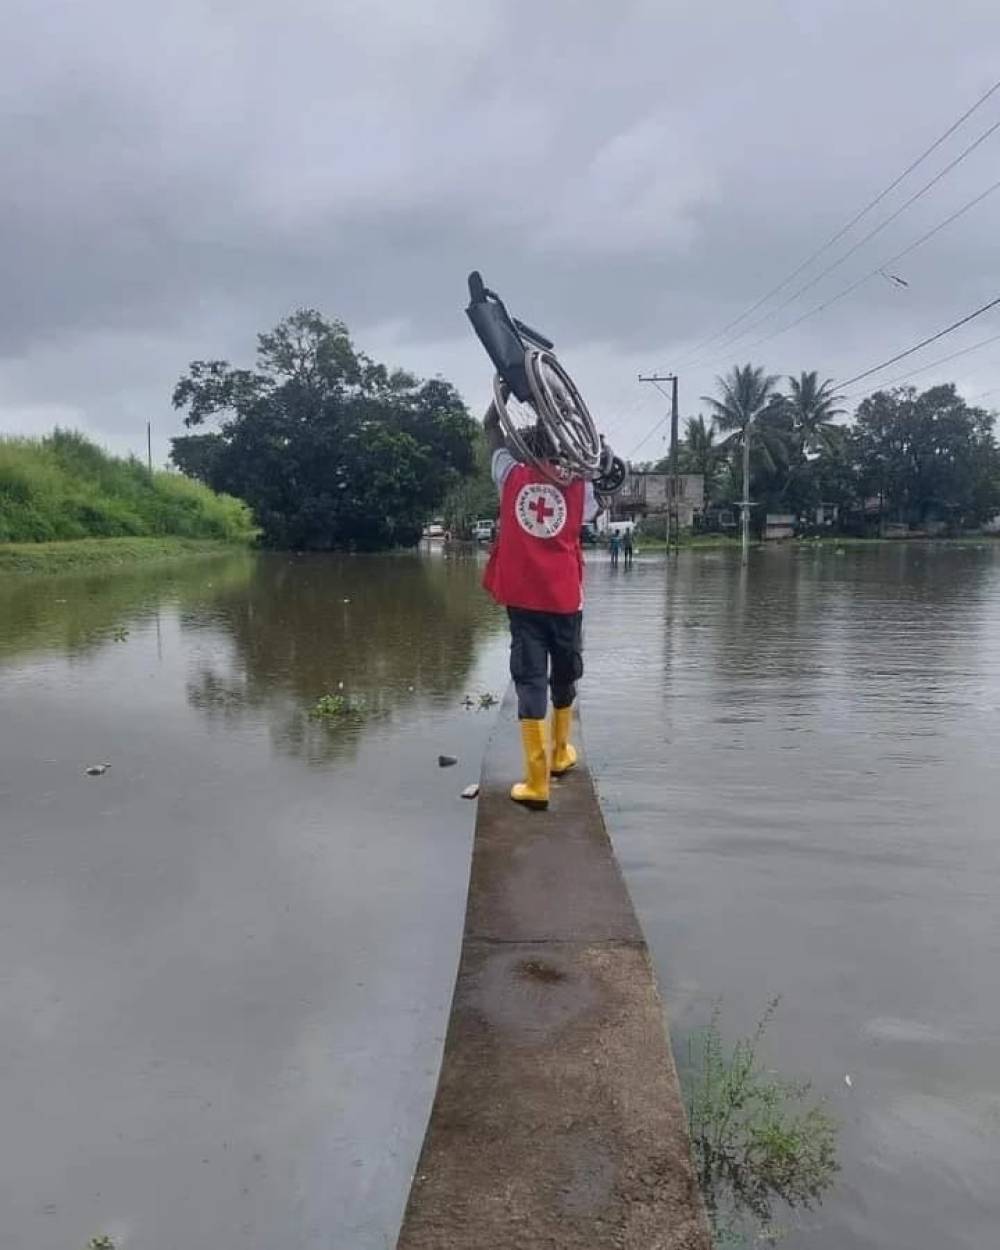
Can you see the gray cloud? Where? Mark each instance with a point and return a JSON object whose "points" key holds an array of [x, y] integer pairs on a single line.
{"points": [[631, 175]]}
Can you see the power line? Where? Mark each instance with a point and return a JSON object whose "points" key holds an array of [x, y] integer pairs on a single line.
{"points": [[923, 343], [942, 360], [866, 238], [648, 436], [912, 247], [849, 226], [616, 426]]}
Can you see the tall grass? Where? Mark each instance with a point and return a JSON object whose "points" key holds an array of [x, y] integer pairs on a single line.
{"points": [[63, 486]]}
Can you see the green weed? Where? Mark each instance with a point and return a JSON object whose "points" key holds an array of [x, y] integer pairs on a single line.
{"points": [[757, 1140], [333, 707]]}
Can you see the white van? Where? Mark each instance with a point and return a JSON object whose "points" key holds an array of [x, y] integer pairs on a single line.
{"points": [[482, 531]]}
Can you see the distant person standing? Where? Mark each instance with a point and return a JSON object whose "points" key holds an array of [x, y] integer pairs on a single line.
{"points": [[627, 547], [614, 546]]}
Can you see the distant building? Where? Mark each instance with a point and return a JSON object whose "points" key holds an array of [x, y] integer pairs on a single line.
{"points": [[779, 525], [648, 494]]}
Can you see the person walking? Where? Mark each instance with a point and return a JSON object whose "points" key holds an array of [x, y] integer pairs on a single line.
{"points": [[535, 570], [627, 547], [614, 546]]}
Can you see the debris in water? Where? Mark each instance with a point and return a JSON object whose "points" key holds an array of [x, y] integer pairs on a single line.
{"points": [[470, 792], [97, 770], [848, 1082], [446, 761], [482, 702], [120, 633]]}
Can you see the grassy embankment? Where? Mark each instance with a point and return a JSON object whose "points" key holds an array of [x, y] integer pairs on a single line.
{"points": [[67, 504]]}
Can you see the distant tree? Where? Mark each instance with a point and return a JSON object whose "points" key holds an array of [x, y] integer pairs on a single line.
{"points": [[747, 397], [812, 406], [813, 443], [473, 498], [745, 394], [329, 448], [702, 453], [927, 456]]}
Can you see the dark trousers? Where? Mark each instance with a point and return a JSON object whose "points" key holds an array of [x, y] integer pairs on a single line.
{"points": [[546, 652]]}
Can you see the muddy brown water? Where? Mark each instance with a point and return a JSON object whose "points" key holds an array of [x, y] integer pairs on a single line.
{"points": [[226, 964]]}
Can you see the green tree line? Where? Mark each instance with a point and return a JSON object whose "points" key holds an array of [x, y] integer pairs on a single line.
{"points": [[912, 457], [65, 487], [329, 448]]}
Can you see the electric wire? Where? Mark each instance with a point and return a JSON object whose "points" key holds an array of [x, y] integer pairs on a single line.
{"points": [[923, 368], [923, 343], [853, 286], [725, 348], [860, 215]]}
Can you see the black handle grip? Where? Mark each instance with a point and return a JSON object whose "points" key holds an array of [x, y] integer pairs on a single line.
{"points": [[536, 336], [477, 292]]}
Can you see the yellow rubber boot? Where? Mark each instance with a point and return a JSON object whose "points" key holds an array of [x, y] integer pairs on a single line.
{"points": [[563, 753], [534, 791]]}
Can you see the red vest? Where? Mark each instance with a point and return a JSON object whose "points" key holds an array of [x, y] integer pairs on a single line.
{"points": [[536, 561]]}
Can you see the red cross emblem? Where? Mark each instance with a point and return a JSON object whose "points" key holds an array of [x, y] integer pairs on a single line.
{"points": [[540, 509]]}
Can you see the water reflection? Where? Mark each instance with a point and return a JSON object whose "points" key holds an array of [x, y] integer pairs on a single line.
{"points": [[798, 766], [75, 614], [389, 634]]}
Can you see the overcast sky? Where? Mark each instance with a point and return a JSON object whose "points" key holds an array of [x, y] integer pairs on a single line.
{"points": [[631, 176]]}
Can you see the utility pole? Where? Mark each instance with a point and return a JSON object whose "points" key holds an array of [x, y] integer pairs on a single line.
{"points": [[745, 504], [673, 507], [149, 446]]}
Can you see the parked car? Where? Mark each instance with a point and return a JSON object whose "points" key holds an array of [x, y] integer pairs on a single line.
{"points": [[434, 530], [483, 530]]}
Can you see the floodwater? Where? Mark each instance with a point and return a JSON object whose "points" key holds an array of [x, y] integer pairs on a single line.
{"points": [[227, 962], [225, 965], [799, 768]]}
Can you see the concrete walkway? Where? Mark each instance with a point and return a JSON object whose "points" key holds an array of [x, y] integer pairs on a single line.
{"points": [[558, 1120]]}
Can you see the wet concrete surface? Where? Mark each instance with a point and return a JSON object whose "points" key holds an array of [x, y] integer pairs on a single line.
{"points": [[558, 1120]]}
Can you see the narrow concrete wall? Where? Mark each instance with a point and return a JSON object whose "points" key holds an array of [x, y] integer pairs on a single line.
{"points": [[558, 1120]]}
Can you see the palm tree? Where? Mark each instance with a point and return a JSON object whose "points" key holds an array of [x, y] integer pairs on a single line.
{"points": [[746, 393], [702, 454], [812, 406]]}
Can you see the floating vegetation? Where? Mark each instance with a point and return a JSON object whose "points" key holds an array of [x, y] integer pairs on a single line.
{"points": [[120, 633], [756, 1140], [334, 707], [103, 1242]]}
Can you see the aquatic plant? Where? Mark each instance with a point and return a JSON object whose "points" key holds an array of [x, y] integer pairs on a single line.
{"points": [[757, 1140], [330, 707]]}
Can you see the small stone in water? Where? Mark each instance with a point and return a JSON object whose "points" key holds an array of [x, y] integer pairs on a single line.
{"points": [[470, 792], [445, 761]]}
